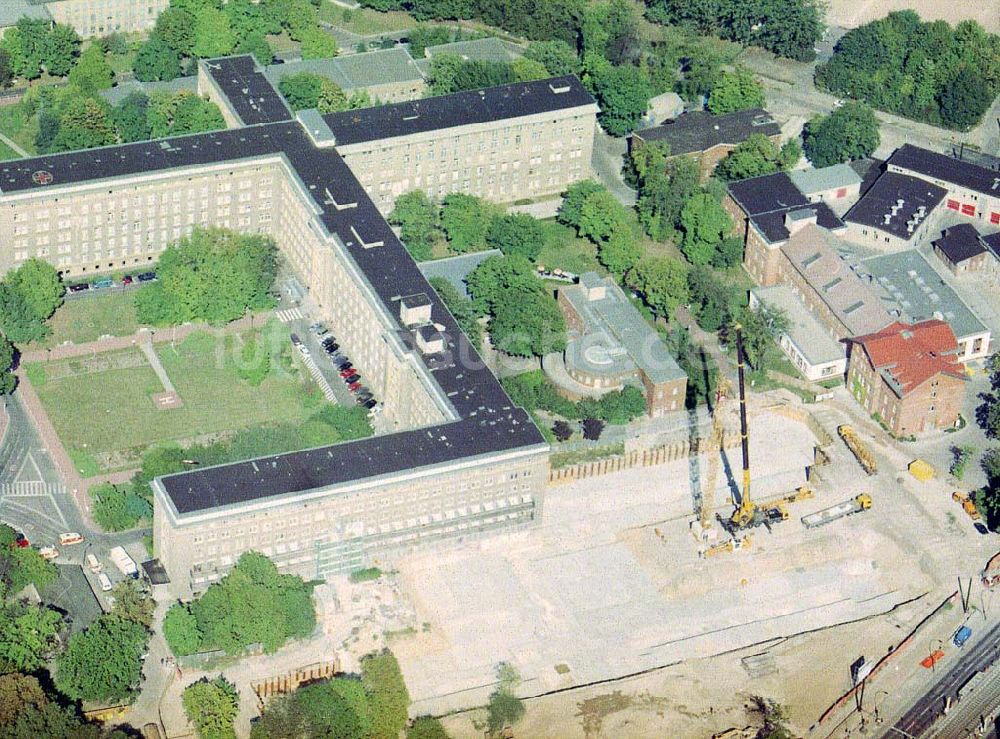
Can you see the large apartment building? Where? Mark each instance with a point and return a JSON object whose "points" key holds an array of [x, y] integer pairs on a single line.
{"points": [[88, 17], [461, 458]]}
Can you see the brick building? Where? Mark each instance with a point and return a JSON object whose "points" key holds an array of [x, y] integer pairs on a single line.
{"points": [[708, 138], [611, 345], [908, 376], [962, 250], [459, 459]]}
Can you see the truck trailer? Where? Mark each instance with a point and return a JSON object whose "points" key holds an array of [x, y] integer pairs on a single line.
{"points": [[125, 564], [856, 504]]}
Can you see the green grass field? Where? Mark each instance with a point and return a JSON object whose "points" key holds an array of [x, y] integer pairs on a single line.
{"points": [[7, 153], [102, 406], [365, 21], [563, 249], [89, 318]]}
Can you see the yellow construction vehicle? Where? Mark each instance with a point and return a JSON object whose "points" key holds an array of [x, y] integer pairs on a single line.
{"points": [[968, 505], [858, 448], [729, 545]]}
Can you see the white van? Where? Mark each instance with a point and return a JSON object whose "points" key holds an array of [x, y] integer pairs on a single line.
{"points": [[93, 563], [105, 582], [71, 537]]}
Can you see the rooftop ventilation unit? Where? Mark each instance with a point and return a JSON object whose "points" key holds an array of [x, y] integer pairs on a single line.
{"points": [[886, 219], [996, 184], [559, 89]]}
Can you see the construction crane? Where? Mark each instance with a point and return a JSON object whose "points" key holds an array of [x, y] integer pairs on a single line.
{"points": [[746, 513], [715, 446]]}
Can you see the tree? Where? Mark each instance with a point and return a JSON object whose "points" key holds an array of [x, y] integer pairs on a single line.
{"points": [[256, 44], [92, 72], [772, 716], [424, 35], [175, 28], [516, 234], [39, 284], [417, 217], [386, 692], [155, 61], [180, 629], [132, 604], [23, 566], [212, 706], [129, 117], [60, 49], [664, 185], [17, 319], [332, 98], [736, 90], [620, 252], [573, 199], [180, 113], [623, 94], [318, 44], [601, 215], [464, 219], [462, 309], [705, 223], [29, 636], [505, 709], [592, 430], [84, 123], [213, 35], [761, 327], [103, 662], [556, 56], [118, 508], [302, 90], [848, 133], [661, 281], [17, 693], [755, 157], [562, 431], [8, 380], [6, 69], [964, 101]]}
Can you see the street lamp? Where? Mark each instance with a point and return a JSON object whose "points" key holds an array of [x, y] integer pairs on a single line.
{"points": [[940, 643], [884, 694]]}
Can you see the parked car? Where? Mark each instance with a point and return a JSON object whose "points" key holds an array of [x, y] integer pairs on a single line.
{"points": [[296, 340], [961, 636], [105, 582], [49, 552], [81, 287], [71, 537], [127, 280], [331, 350], [21, 541], [146, 277], [93, 563], [304, 349], [981, 528], [344, 364], [103, 284], [354, 387], [348, 370], [365, 394], [370, 403], [316, 327], [351, 379]]}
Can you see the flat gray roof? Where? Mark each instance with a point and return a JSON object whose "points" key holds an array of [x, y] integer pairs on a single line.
{"points": [[619, 326], [456, 269], [826, 178], [354, 71], [11, 11], [483, 49], [914, 290], [804, 329]]}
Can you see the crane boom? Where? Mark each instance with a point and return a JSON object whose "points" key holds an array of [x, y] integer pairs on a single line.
{"points": [[745, 512]]}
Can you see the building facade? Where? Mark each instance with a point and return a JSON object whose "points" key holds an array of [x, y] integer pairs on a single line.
{"points": [[907, 376], [460, 458], [103, 17]]}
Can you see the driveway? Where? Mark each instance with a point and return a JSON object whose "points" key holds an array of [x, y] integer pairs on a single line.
{"points": [[607, 160]]}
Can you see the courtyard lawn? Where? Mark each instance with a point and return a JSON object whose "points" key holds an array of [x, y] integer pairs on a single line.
{"points": [[563, 249], [365, 21], [89, 318], [102, 405], [7, 153]]}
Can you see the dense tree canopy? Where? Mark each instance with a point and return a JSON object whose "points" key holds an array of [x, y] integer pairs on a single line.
{"points": [[573, 199], [705, 223], [848, 133], [664, 185], [758, 156], [922, 70], [212, 706], [36, 45], [736, 90], [103, 662], [623, 94], [526, 321], [789, 28], [29, 635], [464, 219], [181, 113], [661, 281], [515, 234], [253, 603], [213, 275], [417, 217]]}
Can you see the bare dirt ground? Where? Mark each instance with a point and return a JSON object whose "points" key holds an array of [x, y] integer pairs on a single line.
{"points": [[851, 13]]}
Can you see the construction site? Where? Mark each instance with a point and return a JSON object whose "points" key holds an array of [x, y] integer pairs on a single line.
{"points": [[792, 539]]}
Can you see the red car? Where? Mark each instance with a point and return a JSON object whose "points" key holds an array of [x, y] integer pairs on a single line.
{"points": [[127, 280], [21, 541], [347, 372], [354, 387]]}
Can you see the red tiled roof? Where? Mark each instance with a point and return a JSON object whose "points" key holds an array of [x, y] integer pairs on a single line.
{"points": [[912, 353]]}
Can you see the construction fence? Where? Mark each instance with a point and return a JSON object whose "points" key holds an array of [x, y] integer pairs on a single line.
{"points": [[290, 681]]}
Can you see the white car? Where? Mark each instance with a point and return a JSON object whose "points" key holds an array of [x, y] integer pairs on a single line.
{"points": [[71, 537], [839, 103], [93, 563], [49, 552], [105, 582]]}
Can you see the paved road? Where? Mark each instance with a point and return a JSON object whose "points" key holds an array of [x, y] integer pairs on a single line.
{"points": [[978, 656], [606, 161]]}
